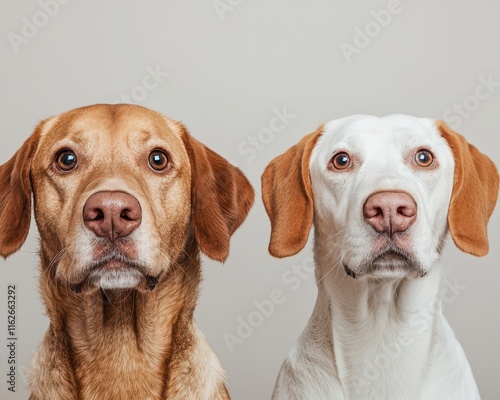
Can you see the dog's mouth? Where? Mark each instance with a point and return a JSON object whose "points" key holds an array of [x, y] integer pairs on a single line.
{"points": [[115, 261], [391, 262], [115, 267]]}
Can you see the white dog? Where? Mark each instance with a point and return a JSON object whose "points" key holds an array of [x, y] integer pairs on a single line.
{"points": [[383, 194]]}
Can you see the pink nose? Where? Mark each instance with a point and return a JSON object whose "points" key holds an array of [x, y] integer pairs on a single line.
{"points": [[390, 212], [112, 214]]}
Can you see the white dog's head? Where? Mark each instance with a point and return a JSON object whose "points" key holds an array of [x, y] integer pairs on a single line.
{"points": [[385, 192]]}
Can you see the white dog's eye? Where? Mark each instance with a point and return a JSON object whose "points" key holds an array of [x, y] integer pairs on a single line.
{"points": [[424, 158], [340, 161]]}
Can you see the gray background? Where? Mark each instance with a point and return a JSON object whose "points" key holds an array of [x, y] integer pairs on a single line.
{"points": [[226, 76]]}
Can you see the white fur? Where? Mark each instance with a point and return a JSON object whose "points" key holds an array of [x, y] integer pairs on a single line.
{"points": [[117, 279], [381, 336]]}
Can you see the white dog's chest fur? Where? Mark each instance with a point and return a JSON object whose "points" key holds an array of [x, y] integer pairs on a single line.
{"points": [[392, 350]]}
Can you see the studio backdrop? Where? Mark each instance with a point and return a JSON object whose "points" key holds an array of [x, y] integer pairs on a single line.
{"points": [[249, 79]]}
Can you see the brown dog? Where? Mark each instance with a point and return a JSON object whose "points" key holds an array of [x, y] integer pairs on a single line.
{"points": [[124, 199]]}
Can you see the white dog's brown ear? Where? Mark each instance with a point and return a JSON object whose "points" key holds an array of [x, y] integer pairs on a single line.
{"points": [[221, 197], [288, 197], [475, 192], [15, 197]]}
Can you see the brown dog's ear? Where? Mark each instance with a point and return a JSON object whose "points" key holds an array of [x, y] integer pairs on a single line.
{"points": [[221, 197], [15, 197], [288, 197], [475, 192]]}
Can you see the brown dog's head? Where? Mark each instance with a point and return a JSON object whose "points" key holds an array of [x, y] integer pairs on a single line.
{"points": [[118, 190]]}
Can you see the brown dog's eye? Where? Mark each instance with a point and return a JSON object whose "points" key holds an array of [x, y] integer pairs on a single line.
{"points": [[66, 160], [158, 160], [341, 161], [424, 158]]}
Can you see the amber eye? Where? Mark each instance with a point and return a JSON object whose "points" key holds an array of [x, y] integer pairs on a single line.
{"points": [[341, 161], [158, 160], [424, 158], [66, 160]]}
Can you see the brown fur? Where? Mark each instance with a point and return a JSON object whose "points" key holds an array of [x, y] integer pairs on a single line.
{"points": [[475, 192], [15, 197], [288, 197], [123, 343], [218, 207]]}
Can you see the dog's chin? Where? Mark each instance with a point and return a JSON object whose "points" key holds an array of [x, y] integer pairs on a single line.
{"points": [[115, 274], [123, 278], [388, 264]]}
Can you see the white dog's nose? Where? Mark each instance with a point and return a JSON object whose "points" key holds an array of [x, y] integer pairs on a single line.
{"points": [[390, 212]]}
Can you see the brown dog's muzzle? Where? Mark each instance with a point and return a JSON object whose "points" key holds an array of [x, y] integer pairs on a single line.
{"points": [[112, 214]]}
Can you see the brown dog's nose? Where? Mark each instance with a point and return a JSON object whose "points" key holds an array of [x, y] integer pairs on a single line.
{"points": [[390, 212], [112, 214]]}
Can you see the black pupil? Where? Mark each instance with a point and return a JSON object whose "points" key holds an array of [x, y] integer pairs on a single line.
{"points": [[158, 158], [423, 157], [68, 159], [342, 160]]}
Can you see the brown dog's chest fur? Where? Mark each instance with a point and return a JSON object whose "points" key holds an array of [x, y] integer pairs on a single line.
{"points": [[124, 344], [128, 336]]}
